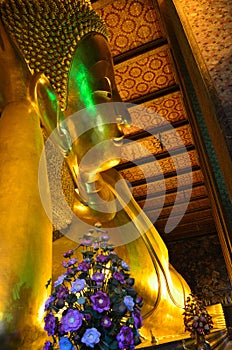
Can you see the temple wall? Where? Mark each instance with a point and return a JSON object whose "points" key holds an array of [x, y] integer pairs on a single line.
{"points": [[211, 25]]}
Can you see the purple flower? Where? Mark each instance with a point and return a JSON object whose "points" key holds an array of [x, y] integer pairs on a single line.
{"points": [[122, 309], [77, 285], [60, 280], [70, 271], [62, 292], [102, 258], [68, 254], [91, 337], [130, 281], [125, 338], [106, 322], [101, 302], [105, 237], [50, 324], [65, 344], [72, 261], [60, 303], [48, 303], [71, 321], [129, 302], [83, 266], [103, 245], [87, 317], [87, 242], [64, 263], [69, 263], [118, 276], [47, 345], [98, 277], [200, 330], [138, 300], [137, 318], [96, 245]]}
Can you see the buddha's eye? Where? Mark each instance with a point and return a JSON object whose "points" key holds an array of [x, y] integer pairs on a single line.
{"points": [[103, 94]]}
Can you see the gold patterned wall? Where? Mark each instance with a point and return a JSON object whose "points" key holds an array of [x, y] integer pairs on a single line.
{"points": [[159, 158], [144, 74], [130, 23], [157, 112]]}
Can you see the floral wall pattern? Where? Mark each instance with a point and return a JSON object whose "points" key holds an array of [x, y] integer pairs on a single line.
{"points": [[199, 261], [211, 24]]}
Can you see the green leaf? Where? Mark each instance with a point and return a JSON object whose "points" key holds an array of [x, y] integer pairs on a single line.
{"points": [[71, 298], [117, 290], [114, 345]]}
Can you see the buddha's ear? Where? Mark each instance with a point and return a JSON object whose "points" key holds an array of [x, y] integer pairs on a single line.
{"points": [[44, 99]]}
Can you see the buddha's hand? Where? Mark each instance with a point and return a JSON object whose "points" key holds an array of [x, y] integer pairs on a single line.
{"points": [[14, 72]]}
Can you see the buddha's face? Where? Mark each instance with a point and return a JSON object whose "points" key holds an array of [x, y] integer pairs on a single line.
{"points": [[93, 112], [94, 107]]}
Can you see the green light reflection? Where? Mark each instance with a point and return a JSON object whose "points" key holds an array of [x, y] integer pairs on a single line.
{"points": [[83, 80]]}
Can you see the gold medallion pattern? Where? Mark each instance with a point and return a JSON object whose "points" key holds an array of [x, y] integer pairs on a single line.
{"points": [[160, 167], [144, 74], [131, 23], [168, 184], [156, 113], [169, 141]]}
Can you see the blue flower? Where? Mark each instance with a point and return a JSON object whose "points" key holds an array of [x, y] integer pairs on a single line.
{"points": [[91, 337], [60, 280], [125, 266], [77, 285], [81, 300], [65, 344], [129, 302]]}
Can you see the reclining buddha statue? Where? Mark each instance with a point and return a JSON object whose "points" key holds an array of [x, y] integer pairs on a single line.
{"points": [[55, 63]]}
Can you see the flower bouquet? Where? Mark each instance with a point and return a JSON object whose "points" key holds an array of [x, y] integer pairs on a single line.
{"points": [[93, 304], [197, 320]]}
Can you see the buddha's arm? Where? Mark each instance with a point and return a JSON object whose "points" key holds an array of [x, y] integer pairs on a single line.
{"points": [[14, 78], [25, 250]]}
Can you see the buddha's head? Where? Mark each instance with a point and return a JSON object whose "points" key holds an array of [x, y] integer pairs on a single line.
{"points": [[66, 42]]}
